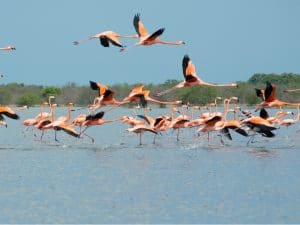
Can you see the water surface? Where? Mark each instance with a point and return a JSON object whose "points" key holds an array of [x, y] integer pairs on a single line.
{"points": [[114, 180]]}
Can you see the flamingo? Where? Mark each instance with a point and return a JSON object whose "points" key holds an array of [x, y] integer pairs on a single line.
{"points": [[146, 38], [7, 111], [67, 128], [42, 124], [33, 121], [106, 38], [233, 124], [92, 120], [211, 123], [259, 125], [62, 120], [106, 96], [8, 48], [137, 94], [191, 78], [268, 96], [156, 123], [291, 121], [140, 129]]}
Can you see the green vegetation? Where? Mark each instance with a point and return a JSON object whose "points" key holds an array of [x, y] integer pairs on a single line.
{"points": [[21, 94]]}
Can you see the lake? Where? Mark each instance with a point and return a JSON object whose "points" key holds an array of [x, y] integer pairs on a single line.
{"points": [[114, 180]]}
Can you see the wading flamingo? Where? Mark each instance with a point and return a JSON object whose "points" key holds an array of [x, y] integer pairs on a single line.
{"points": [[191, 78], [140, 129], [146, 38], [106, 38], [62, 120], [33, 121], [94, 120]]}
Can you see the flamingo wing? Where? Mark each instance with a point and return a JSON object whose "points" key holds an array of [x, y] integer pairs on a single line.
{"points": [[105, 39], [143, 101], [98, 115], [189, 71], [226, 133], [156, 34], [264, 114], [5, 110], [148, 119], [136, 90], [139, 27], [98, 86], [68, 129], [108, 94], [270, 92]]}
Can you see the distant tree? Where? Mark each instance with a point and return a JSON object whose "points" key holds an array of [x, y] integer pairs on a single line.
{"points": [[47, 91], [5, 96], [29, 99]]}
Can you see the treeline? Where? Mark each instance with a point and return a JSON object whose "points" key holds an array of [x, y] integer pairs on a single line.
{"points": [[21, 94]]}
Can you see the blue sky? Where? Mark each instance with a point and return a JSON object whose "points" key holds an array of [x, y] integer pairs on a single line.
{"points": [[227, 40]]}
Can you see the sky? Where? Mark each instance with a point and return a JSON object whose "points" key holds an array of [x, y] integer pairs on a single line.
{"points": [[227, 41]]}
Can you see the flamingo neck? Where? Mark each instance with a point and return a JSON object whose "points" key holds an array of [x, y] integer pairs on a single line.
{"points": [[169, 42]]}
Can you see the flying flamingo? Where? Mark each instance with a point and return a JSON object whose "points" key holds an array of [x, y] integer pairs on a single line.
{"points": [[7, 111], [137, 94], [259, 125], [8, 48], [105, 97], [106, 38], [268, 96], [191, 78], [146, 38]]}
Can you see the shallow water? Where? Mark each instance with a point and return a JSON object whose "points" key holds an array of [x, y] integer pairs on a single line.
{"points": [[114, 180]]}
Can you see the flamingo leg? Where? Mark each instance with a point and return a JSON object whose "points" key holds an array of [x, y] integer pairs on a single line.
{"points": [[141, 138], [177, 138], [154, 138], [92, 139], [55, 136]]}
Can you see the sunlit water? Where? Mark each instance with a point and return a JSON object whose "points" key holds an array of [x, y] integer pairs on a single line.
{"points": [[114, 180]]}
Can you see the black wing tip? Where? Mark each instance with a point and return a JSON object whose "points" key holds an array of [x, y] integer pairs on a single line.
{"points": [[268, 83], [99, 115], [186, 57], [15, 116], [94, 85]]}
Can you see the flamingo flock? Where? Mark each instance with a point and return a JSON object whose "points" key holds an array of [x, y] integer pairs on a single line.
{"points": [[203, 120]]}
